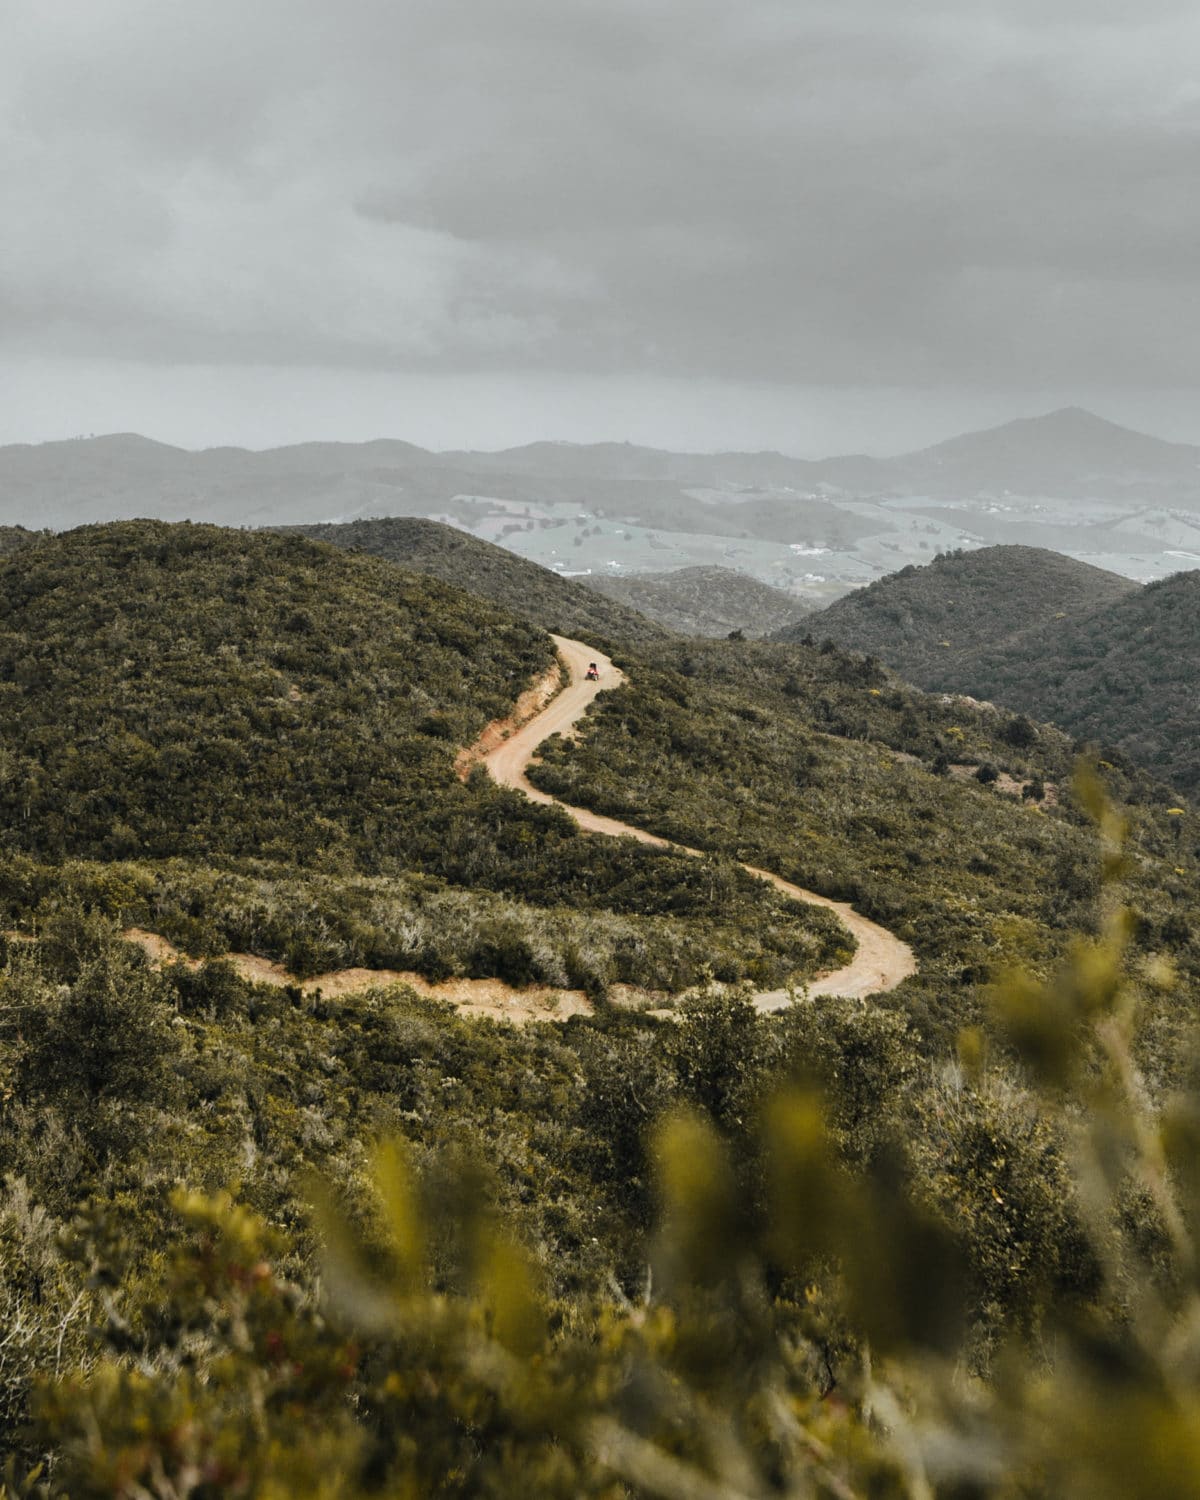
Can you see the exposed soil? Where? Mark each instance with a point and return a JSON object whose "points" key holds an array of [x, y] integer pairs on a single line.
{"points": [[476, 997], [528, 706], [1005, 784], [881, 960]]}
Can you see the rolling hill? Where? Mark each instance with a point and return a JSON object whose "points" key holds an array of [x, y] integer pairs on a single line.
{"points": [[1112, 663], [190, 700], [704, 601], [249, 738], [1123, 676], [922, 621], [522, 587], [189, 691]]}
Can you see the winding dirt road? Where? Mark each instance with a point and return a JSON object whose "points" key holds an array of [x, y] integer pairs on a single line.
{"points": [[506, 747], [881, 960]]}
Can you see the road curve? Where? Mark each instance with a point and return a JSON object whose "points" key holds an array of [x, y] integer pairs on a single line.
{"points": [[881, 960]]}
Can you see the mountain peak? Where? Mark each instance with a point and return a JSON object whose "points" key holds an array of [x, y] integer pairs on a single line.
{"points": [[1077, 419]]}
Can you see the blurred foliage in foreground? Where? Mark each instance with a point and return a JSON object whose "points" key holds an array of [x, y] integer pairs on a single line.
{"points": [[801, 1331]]}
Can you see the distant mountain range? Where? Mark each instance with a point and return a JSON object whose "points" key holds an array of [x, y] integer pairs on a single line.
{"points": [[1069, 482], [1115, 664], [1065, 453]]}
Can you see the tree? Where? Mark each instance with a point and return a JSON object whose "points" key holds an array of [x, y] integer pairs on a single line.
{"points": [[1020, 732], [99, 1048]]}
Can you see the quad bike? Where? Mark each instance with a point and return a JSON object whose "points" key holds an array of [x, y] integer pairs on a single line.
{"points": [[592, 674]]}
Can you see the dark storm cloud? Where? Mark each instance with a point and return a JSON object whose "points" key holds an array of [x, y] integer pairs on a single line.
{"points": [[848, 192]]}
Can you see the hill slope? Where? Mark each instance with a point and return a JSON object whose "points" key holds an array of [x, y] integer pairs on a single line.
{"points": [[1124, 676], [185, 690], [526, 589], [921, 621], [704, 601], [815, 764], [13, 537], [1109, 661], [280, 721]]}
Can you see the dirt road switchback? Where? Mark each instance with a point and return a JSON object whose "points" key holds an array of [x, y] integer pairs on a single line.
{"points": [[881, 960]]}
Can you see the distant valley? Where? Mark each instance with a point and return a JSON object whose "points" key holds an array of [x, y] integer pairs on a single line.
{"points": [[1068, 481]]}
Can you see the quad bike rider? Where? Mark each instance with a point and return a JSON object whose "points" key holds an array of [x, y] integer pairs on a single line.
{"points": [[593, 673]]}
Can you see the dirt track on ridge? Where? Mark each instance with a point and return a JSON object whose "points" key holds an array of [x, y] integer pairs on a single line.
{"points": [[506, 747], [881, 960]]}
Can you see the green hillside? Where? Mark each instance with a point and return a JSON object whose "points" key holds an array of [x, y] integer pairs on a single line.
{"points": [[704, 601], [1123, 676], [524, 588], [819, 765], [229, 698], [1113, 663], [922, 620], [185, 690], [939, 1242], [13, 537]]}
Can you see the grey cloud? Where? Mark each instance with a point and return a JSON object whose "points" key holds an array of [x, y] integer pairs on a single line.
{"points": [[856, 192]]}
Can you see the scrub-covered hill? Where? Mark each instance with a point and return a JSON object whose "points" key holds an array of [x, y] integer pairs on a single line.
{"points": [[704, 601], [524, 588], [1123, 676], [846, 1207], [13, 537], [922, 620], [179, 693], [187, 690], [1113, 663], [950, 823]]}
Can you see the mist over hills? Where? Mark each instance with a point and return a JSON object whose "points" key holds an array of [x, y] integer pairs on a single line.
{"points": [[1068, 480], [1065, 452], [1069, 451]]}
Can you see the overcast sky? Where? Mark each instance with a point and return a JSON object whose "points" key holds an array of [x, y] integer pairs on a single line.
{"points": [[815, 226]]}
